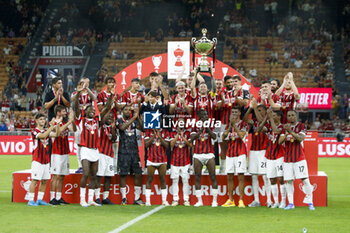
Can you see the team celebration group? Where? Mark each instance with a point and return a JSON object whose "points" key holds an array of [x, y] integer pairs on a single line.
{"points": [[111, 133]]}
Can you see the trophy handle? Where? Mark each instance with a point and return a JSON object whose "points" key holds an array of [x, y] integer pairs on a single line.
{"points": [[193, 41], [215, 42]]}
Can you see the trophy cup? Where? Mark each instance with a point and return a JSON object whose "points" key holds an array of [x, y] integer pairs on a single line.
{"points": [[204, 47]]}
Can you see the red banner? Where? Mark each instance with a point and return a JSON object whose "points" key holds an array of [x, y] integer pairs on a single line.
{"points": [[70, 192], [317, 98], [330, 147]]}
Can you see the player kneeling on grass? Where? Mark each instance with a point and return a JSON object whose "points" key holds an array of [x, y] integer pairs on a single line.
{"points": [[157, 141], [41, 159], [236, 157], [108, 134], [204, 155], [128, 153], [180, 162], [275, 155], [60, 153], [295, 166], [88, 126]]}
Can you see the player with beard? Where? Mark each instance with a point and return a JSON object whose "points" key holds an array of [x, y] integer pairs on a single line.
{"points": [[181, 103], [236, 161], [288, 97], [295, 165], [128, 153], [231, 95], [86, 98], [275, 84], [268, 98], [204, 155], [189, 80], [180, 161]]}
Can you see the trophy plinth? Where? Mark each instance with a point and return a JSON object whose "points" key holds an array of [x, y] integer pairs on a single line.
{"points": [[204, 47]]}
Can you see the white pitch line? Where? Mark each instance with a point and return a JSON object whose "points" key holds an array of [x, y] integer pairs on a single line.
{"points": [[135, 220]]}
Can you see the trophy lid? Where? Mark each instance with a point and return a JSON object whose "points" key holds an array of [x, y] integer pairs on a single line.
{"points": [[204, 32]]}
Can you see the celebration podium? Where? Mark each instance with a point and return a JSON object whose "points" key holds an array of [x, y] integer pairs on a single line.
{"points": [[71, 189]]}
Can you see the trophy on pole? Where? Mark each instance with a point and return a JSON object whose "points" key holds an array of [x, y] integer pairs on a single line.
{"points": [[204, 47]]}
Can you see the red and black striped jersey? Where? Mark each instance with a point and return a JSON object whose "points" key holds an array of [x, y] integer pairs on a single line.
{"points": [[217, 100], [128, 96], [180, 155], [102, 98], [274, 150], [203, 144], [156, 151], [60, 145], [231, 101], [236, 145], [105, 145], [88, 128], [84, 101], [179, 108], [205, 102], [294, 149], [259, 139], [287, 102], [266, 102], [41, 147]]}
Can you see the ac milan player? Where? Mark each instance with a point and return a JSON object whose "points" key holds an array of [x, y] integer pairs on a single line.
{"points": [[180, 161], [41, 160], [204, 155], [157, 141], [128, 153], [133, 97], [295, 166], [108, 134], [257, 160], [236, 157], [156, 83], [289, 96], [103, 96], [268, 98], [190, 79], [217, 116], [275, 84], [86, 98], [60, 153], [181, 103], [88, 126], [231, 95]]}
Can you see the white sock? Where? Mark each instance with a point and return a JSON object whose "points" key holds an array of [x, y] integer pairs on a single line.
{"points": [[222, 163], [97, 193], [31, 196], [123, 192], [290, 191], [164, 194], [105, 195], [52, 195], [91, 195], [255, 184], [148, 195], [137, 192], [283, 192], [267, 186], [274, 189], [40, 195], [185, 189], [215, 194], [175, 187], [82, 194], [58, 195], [199, 195], [308, 189], [79, 156]]}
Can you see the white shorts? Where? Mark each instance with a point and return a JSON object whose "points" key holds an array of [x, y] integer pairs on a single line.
{"points": [[203, 158], [40, 171], [296, 170], [235, 165], [59, 164], [89, 154], [149, 163], [105, 166], [274, 168], [177, 171], [257, 162]]}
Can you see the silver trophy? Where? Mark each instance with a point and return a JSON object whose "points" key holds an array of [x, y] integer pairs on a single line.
{"points": [[204, 47]]}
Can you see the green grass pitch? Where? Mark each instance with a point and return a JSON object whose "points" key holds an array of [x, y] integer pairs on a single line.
{"points": [[17, 217]]}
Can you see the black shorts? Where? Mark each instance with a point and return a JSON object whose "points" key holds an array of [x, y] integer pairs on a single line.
{"points": [[129, 164]]}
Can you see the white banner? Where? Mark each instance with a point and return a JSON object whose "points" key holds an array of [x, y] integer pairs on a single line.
{"points": [[178, 57]]}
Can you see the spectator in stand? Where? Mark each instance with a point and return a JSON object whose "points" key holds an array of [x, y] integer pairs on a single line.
{"points": [[298, 63], [5, 104], [244, 51], [268, 46], [147, 36], [70, 85], [3, 126]]}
